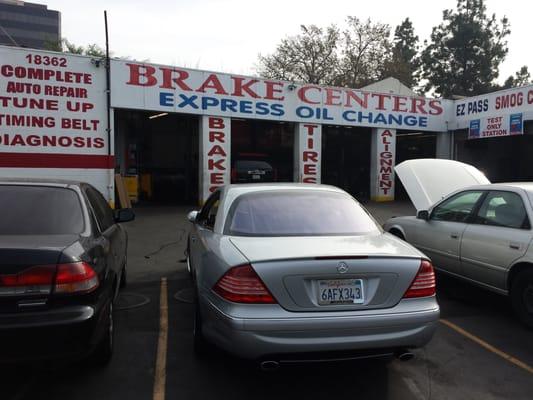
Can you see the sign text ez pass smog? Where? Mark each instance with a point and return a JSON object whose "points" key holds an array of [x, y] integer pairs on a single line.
{"points": [[198, 92]]}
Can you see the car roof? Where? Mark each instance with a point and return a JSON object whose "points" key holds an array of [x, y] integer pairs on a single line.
{"points": [[526, 186], [241, 188], [40, 182]]}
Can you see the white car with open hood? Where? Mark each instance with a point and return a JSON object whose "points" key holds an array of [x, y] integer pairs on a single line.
{"points": [[470, 228]]}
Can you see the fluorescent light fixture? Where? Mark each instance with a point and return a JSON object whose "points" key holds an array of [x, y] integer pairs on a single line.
{"points": [[157, 115], [414, 134]]}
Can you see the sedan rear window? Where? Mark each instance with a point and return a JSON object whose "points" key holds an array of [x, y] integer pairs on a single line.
{"points": [[247, 165], [39, 210], [290, 213]]}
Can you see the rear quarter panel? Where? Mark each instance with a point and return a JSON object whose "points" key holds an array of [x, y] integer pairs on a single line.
{"points": [[217, 256]]}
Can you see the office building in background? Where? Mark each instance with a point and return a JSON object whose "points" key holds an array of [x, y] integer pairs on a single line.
{"points": [[29, 25]]}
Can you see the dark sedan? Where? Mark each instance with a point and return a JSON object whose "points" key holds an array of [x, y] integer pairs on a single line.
{"points": [[62, 261], [252, 168]]}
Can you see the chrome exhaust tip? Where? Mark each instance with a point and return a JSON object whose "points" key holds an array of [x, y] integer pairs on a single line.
{"points": [[268, 366], [405, 356]]}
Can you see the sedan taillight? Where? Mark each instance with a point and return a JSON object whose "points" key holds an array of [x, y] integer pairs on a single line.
{"points": [[75, 278], [241, 284], [424, 283], [71, 278], [33, 280]]}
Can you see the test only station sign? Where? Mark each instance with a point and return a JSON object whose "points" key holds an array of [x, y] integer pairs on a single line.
{"points": [[504, 125]]}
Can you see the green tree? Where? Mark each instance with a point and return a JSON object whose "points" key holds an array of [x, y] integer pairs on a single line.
{"points": [[309, 57], [465, 51], [68, 47], [404, 61], [521, 78]]}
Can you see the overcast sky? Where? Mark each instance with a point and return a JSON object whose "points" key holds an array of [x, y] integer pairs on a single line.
{"points": [[228, 35]]}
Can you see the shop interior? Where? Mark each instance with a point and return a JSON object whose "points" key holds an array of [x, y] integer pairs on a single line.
{"points": [[261, 151], [346, 159], [501, 159], [411, 145], [157, 153]]}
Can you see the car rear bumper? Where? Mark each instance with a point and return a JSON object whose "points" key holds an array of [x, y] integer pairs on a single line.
{"points": [[380, 332], [66, 333]]}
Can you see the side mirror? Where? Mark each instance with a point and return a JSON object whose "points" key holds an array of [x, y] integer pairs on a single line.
{"points": [[124, 215], [423, 214], [192, 216]]}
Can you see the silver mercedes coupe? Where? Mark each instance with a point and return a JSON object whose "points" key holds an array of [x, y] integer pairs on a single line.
{"points": [[300, 272]]}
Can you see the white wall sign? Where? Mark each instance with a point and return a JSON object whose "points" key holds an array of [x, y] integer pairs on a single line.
{"points": [[308, 150], [53, 117], [493, 126], [172, 89], [383, 159], [502, 103], [215, 161]]}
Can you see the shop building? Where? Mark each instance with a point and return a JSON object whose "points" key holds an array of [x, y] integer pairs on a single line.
{"points": [[181, 133]]}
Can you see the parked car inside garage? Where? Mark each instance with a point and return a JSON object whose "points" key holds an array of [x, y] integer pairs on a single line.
{"points": [[252, 168]]}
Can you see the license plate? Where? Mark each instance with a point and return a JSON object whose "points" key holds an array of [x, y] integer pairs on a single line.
{"points": [[256, 177], [340, 291]]}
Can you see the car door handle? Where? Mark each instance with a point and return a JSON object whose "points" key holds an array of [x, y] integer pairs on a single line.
{"points": [[454, 236], [193, 239], [514, 246]]}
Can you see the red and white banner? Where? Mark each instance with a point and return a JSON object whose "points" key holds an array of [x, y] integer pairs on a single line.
{"points": [[215, 161], [383, 159], [309, 152]]}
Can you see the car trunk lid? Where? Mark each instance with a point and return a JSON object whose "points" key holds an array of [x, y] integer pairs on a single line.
{"points": [[429, 180], [306, 273], [27, 269]]}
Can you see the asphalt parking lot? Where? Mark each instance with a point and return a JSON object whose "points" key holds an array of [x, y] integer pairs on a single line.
{"points": [[478, 352]]}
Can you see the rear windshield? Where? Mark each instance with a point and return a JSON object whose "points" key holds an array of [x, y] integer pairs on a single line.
{"points": [[245, 164], [38, 210], [290, 213]]}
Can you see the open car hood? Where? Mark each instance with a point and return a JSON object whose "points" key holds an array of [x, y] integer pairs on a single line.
{"points": [[427, 180]]}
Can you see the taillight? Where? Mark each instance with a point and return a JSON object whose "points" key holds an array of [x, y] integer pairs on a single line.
{"points": [[34, 280], [241, 284], [75, 278], [424, 283]]}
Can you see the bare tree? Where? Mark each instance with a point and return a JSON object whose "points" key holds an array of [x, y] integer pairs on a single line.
{"points": [[366, 47], [354, 58], [308, 57]]}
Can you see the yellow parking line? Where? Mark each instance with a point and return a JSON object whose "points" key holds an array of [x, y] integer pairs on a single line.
{"points": [[488, 346], [161, 361]]}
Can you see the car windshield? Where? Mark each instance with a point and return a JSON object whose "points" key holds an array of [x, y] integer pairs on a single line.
{"points": [[39, 210], [298, 213]]}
